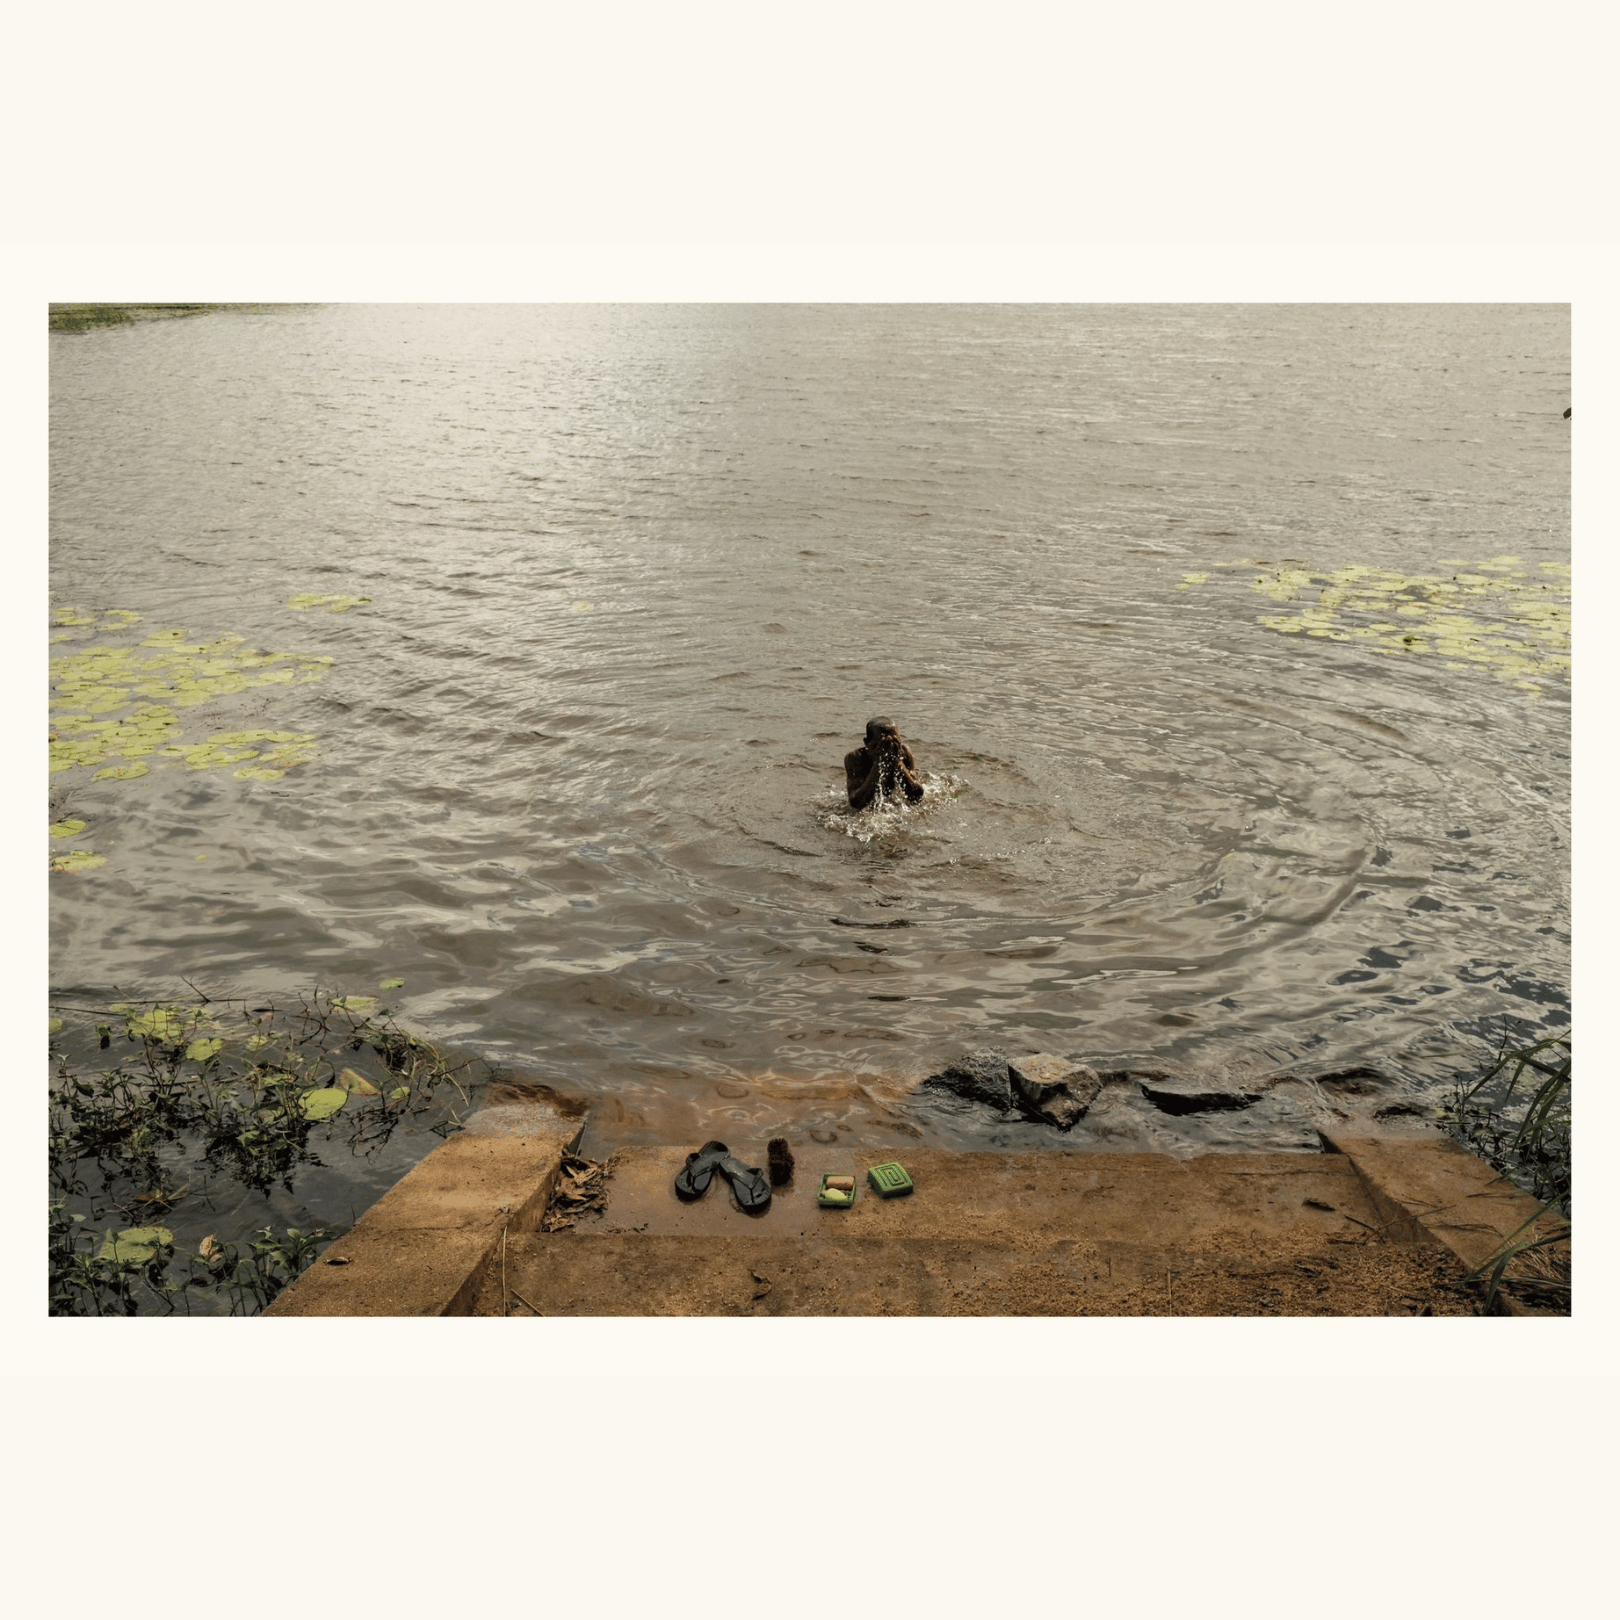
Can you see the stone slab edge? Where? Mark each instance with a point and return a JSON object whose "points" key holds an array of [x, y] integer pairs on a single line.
{"points": [[423, 1247], [1433, 1191]]}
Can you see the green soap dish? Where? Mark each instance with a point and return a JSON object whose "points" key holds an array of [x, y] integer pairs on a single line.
{"points": [[890, 1180], [835, 1201]]}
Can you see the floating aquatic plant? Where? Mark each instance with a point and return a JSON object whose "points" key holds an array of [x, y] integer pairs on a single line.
{"points": [[322, 1104], [1385, 611], [137, 1244], [332, 604], [116, 707], [77, 860]]}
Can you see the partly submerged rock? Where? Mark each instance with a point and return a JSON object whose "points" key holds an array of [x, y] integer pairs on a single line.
{"points": [[1356, 1082], [1277, 1123], [1196, 1092], [1055, 1089], [979, 1076]]}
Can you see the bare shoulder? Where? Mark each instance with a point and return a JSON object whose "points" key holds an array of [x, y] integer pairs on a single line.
{"points": [[857, 759]]}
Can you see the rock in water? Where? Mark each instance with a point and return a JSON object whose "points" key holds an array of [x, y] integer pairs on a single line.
{"points": [[980, 1076], [1196, 1093], [1054, 1088]]}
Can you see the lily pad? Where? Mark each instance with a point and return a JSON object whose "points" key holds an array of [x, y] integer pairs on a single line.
{"points": [[354, 1004], [203, 1051], [122, 772], [161, 1024], [399, 1093], [77, 860], [391, 984], [66, 829], [137, 1244], [332, 604], [56, 1026], [324, 1103]]}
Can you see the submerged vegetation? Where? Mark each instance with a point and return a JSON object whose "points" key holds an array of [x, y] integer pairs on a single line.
{"points": [[206, 1097], [1526, 636]]}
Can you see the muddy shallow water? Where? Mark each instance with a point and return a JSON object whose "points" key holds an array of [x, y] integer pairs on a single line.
{"points": [[1232, 643]]}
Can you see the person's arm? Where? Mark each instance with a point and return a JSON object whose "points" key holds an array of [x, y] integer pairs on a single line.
{"points": [[910, 782], [861, 777]]}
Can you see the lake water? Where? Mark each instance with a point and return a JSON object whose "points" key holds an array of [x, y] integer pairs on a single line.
{"points": [[1231, 642]]}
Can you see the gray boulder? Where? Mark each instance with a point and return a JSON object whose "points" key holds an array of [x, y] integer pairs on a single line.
{"points": [[979, 1076], [1055, 1089]]}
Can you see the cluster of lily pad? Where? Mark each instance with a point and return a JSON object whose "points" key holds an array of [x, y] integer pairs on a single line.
{"points": [[115, 707], [74, 860], [1526, 636]]}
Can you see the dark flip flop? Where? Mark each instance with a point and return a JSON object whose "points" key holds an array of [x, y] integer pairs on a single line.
{"points": [[748, 1183], [692, 1181]]}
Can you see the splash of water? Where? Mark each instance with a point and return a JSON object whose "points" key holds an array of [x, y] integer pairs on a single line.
{"points": [[890, 816]]}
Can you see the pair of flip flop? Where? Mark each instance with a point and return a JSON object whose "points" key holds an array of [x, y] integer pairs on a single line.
{"points": [[748, 1183]]}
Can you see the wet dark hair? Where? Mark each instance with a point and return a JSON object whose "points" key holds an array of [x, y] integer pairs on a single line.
{"points": [[880, 723]]}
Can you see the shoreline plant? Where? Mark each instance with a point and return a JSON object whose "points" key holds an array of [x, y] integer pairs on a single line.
{"points": [[1517, 1115]]}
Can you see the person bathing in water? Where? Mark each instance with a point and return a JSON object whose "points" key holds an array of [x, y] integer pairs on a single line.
{"points": [[883, 765]]}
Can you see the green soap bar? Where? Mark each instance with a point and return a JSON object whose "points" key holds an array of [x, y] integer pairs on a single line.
{"points": [[890, 1180]]}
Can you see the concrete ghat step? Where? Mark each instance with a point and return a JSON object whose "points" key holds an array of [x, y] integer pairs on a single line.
{"points": [[989, 1234], [565, 1274], [1372, 1226], [422, 1248], [1139, 1197], [1431, 1190]]}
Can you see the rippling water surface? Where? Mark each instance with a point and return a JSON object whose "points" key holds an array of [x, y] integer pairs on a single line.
{"points": [[1228, 640]]}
